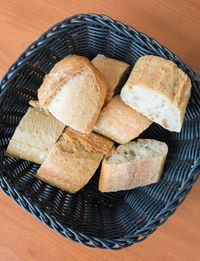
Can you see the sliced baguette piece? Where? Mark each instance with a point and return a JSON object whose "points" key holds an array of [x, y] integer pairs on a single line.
{"points": [[34, 136], [119, 122], [158, 89], [114, 72], [74, 92], [132, 165], [73, 160]]}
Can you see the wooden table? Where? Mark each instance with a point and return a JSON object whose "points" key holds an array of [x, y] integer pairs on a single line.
{"points": [[175, 24]]}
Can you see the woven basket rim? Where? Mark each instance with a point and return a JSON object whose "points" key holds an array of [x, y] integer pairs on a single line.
{"points": [[22, 200]]}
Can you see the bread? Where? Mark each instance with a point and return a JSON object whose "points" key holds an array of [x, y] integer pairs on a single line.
{"points": [[73, 160], [34, 136], [38, 107], [120, 122], [114, 72], [135, 164], [74, 92], [159, 90]]}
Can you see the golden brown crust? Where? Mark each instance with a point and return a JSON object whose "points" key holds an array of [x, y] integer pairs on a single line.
{"points": [[112, 70], [73, 160], [131, 168], [34, 136], [120, 122], [74, 92], [102, 91], [35, 104], [162, 76], [60, 73], [18, 149], [184, 99], [130, 175], [92, 140]]}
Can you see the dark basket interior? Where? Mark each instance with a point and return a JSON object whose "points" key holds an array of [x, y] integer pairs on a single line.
{"points": [[109, 220]]}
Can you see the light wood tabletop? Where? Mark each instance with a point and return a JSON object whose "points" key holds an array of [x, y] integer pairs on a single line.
{"points": [[176, 25]]}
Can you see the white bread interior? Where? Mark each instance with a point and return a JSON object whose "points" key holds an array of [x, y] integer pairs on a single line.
{"points": [[132, 165], [158, 89]]}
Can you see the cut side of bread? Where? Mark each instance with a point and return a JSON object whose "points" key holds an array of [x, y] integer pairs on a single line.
{"points": [[159, 90], [34, 136], [114, 72], [119, 122], [132, 165], [73, 160], [74, 92]]}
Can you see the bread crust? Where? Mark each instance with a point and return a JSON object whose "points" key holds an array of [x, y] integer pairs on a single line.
{"points": [[119, 122], [69, 68], [113, 71], [34, 136], [73, 160], [63, 71], [162, 76], [130, 174], [92, 141]]}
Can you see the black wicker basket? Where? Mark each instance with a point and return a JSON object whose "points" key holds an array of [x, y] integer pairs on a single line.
{"points": [[109, 220]]}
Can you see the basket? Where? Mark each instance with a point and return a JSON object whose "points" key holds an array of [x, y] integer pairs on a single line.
{"points": [[95, 219]]}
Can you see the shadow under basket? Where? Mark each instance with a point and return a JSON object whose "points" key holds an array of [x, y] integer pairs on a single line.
{"points": [[95, 219]]}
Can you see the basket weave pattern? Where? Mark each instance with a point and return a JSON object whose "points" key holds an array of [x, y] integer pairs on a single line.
{"points": [[110, 220]]}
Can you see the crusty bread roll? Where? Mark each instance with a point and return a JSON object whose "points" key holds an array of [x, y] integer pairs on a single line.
{"points": [[74, 92], [132, 165], [113, 71], [158, 89], [73, 160], [119, 122], [34, 136]]}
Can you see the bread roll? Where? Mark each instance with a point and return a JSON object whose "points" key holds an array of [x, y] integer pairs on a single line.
{"points": [[120, 122], [74, 92], [132, 165], [34, 136], [158, 89], [113, 71], [73, 160]]}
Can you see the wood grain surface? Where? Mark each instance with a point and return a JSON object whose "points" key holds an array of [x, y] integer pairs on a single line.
{"points": [[176, 25]]}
